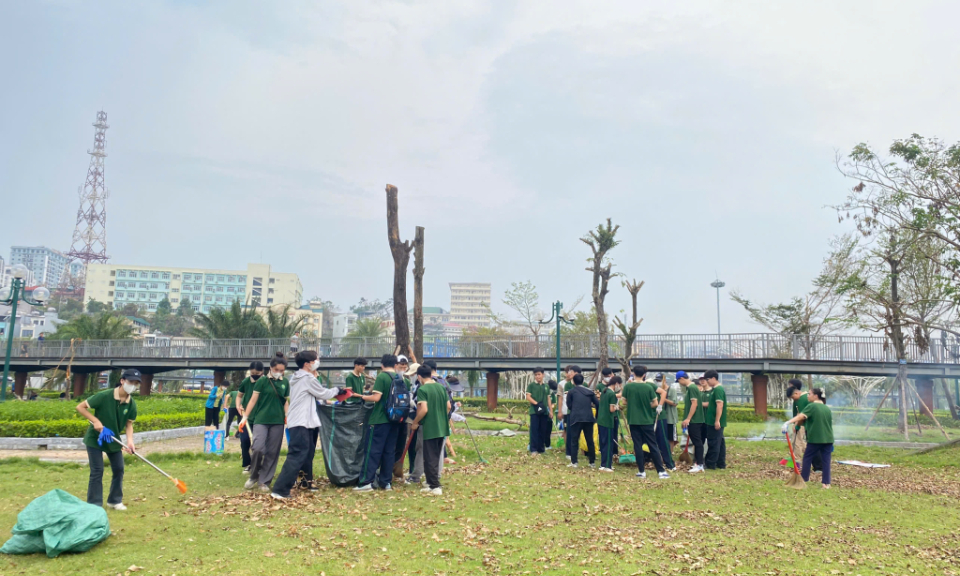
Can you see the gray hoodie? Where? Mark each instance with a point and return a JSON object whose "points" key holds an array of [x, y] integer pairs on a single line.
{"points": [[305, 390]]}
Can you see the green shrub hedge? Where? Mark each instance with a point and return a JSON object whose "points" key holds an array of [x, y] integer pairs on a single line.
{"points": [[75, 428], [67, 410]]}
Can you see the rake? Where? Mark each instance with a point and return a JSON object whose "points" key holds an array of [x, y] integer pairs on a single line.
{"points": [[795, 480], [178, 483], [685, 455], [477, 448]]}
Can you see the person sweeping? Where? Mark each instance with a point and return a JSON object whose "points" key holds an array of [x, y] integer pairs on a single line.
{"points": [[818, 421], [113, 410]]}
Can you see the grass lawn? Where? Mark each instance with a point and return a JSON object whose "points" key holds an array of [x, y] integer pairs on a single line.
{"points": [[523, 515]]}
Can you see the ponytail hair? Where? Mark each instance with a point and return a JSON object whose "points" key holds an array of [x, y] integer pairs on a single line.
{"points": [[278, 359], [818, 392]]}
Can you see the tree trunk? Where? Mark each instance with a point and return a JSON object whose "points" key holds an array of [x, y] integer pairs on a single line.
{"points": [[899, 345], [949, 397], [418, 271], [401, 258]]}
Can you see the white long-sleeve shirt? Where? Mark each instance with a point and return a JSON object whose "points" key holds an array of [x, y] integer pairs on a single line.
{"points": [[305, 390]]}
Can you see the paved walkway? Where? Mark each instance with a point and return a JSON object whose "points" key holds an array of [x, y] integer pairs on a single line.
{"points": [[186, 444]]}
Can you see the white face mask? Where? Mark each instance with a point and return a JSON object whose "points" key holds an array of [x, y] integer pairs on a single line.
{"points": [[316, 364], [607, 379], [276, 375], [129, 388]]}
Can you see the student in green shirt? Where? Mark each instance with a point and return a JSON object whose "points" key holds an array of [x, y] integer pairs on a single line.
{"points": [[114, 410], [608, 422], [664, 431], [230, 405], [356, 380], [693, 419], [800, 401], [818, 422], [642, 404], [716, 421], [540, 409], [605, 375], [244, 393], [379, 454], [268, 403], [433, 407]]}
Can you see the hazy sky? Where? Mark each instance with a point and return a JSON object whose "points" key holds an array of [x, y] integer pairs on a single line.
{"points": [[249, 130]]}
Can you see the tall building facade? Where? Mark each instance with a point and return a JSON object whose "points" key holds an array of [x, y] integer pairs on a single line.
{"points": [[6, 275], [47, 264], [204, 289], [470, 303]]}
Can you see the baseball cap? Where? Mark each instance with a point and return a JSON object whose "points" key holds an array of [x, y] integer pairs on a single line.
{"points": [[130, 374], [681, 374], [401, 359], [659, 377], [454, 384]]}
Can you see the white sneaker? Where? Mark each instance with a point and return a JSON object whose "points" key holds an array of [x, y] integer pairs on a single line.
{"points": [[245, 471], [436, 492], [425, 490], [674, 469], [641, 474], [571, 465], [264, 488], [276, 496], [119, 506], [696, 469], [593, 465], [364, 488], [388, 488], [410, 480], [602, 469], [250, 484], [663, 475]]}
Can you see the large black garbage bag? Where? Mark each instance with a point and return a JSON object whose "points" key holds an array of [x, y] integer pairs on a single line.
{"points": [[343, 437], [55, 523]]}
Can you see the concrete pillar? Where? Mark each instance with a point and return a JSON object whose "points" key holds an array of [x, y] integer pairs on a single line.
{"points": [[146, 384], [493, 386], [79, 384], [760, 393], [925, 389], [19, 383]]}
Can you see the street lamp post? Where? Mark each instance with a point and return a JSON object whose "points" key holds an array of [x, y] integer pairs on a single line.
{"points": [[12, 296], [557, 308], [718, 285]]}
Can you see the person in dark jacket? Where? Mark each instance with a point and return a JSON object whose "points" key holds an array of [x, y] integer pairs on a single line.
{"points": [[581, 402]]}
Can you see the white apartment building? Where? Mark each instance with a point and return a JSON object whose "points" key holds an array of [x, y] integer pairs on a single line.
{"points": [[343, 324], [204, 289], [6, 275], [47, 264], [470, 303]]}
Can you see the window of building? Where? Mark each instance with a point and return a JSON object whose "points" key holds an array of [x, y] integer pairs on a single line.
{"points": [[122, 273], [230, 279], [153, 286], [196, 298], [176, 276], [257, 282], [119, 294], [219, 288], [174, 300], [257, 293], [154, 275], [143, 274], [188, 277], [174, 290], [231, 289], [111, 282], [208, 298], [109, 293], [143, 295], [154, 296], [242, 279], [196, 308], [219, 298], [113, 272], [152, 307], [273, 280], [220, 278], [210, 277], [269, 290], [269, 300], [165, 276]]}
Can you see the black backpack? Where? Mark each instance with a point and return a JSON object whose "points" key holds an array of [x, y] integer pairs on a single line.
{"points": [[399, 401]]}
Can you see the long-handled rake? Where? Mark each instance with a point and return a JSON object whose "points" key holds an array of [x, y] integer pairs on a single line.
{"points": [[685, 455], [795, 480], [178, 483], [477, 448]]}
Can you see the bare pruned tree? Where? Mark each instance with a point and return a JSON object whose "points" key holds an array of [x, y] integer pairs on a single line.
{"points": [[629, 332], [401, 259]]}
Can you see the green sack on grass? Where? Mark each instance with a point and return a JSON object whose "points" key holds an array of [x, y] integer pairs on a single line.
{"points": [[55, 523]]}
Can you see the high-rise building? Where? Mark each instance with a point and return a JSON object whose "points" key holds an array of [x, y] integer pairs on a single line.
{"points": [[46, 264], [470, 303], [204, 289], [6, 275]]}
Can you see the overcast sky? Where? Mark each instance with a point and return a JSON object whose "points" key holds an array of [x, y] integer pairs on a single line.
{"points": [[249, 131]]}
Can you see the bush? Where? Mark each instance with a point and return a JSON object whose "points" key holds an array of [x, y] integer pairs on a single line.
{"points": [[502, 404], [75, 428]]}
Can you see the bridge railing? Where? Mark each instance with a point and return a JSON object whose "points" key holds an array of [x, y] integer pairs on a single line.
{"points": [[650, 346]]}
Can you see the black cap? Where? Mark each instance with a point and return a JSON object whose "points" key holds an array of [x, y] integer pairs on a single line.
{"points": [[130, 374]]}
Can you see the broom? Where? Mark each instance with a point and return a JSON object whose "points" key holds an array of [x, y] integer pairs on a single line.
{"points": [[178, 483], [795, 480], [685, 456]]}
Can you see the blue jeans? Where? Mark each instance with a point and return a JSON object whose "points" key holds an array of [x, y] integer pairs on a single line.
{"points": [[380, 454]]}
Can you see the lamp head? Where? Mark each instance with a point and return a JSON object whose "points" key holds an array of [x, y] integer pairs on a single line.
{"points": [[4, 293], [19, 271], [41, 294]]}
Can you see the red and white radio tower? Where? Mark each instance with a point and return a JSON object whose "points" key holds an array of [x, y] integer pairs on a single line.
{"points": [[90, 235]]}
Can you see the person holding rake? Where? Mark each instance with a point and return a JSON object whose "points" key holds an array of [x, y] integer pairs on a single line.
{"points": [[818, 421]]}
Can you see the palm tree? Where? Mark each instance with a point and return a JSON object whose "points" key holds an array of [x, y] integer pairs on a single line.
{"points": [[367, 328], [280, 324], [102, 326], [235, 322]]}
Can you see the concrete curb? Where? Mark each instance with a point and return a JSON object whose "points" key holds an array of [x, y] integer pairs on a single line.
{"points": [[77, 443], [871, 443]]}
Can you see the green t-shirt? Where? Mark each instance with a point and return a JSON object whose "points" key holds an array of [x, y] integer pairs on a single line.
{"points": [[718, 394], [272, 397], [435, 424], [601, 386], [112, 414], [246, 388], [381, 385], [355, 383], [539, 394], [693, 393], [568, 386], [605, 417], [798, 405], [670, 412], [819, 423], [232, 399], [639, 395]]}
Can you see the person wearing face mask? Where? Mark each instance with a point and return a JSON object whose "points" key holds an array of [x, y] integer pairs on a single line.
{"points": [[303, 424], [268, 404], [113, 410], [605, 375], [244, 394], [215, 404]]}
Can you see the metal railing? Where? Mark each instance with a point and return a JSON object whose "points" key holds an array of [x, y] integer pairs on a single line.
{"points": [[669, 346]]}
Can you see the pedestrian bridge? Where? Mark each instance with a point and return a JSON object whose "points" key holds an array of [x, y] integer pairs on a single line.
{"points": [[754, 353]]}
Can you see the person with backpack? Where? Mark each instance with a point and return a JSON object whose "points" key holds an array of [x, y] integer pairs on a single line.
{"points": [[581, 402], [642, 410], [303, 425], [383, 426], [244, 394], [540, 409], [433, 413], [409, 373], [268, 404], [608, 422]]}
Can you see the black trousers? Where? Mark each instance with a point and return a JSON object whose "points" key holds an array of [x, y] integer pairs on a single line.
{"points": [[572, 444], [380, 453], [245, 445], [587, 429], [231, 415], [212, 417], [300, 452], [717, 455], [643, 434], [695, 432], [608, 443], [432, 449], [95, 485], [540, 428], [412, 451], [546, 429]]}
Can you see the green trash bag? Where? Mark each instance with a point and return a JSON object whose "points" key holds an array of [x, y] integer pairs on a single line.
{"points": [[55, 523]]}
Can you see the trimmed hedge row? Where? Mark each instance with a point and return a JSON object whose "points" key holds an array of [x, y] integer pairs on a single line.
{"points": [[76, 428]]}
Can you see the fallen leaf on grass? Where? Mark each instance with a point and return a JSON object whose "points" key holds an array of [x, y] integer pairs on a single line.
{"points": [[269, 554]]}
